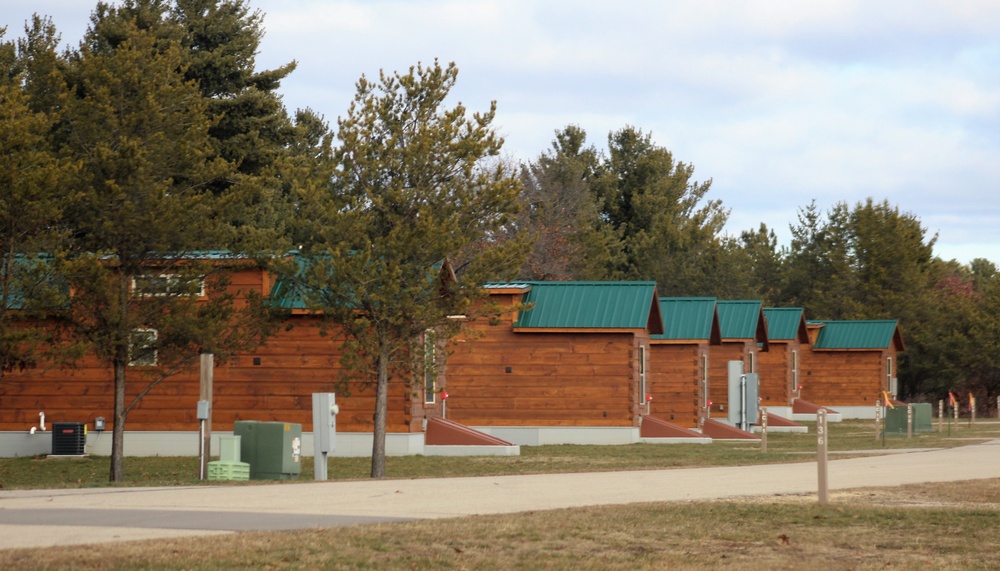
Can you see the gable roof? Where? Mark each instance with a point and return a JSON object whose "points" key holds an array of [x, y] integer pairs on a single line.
{"points": [[742, 319], [591, 305], [689, 318], [786, 324], [862, 334], [289, 292]]}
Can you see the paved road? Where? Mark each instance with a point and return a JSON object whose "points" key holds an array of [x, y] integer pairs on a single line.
{"points": [[37, 518]]}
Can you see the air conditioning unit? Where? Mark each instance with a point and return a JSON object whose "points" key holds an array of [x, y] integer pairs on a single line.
{"points": [[68, 438]]}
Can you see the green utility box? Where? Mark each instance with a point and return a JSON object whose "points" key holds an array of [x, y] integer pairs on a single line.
{"points": [[895, 419], [273, 449]]}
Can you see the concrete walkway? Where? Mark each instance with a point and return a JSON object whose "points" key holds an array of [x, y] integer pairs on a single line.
{"points": [[36, 518]]}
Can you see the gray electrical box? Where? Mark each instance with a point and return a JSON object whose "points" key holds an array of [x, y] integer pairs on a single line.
{"points": [[325, 411], [204, 408], [324, 421], [744, 399]]}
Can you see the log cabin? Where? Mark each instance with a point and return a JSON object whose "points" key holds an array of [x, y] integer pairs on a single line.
{"points": [[679, 360], [850, 363], [780, 366], [273, 382], [744, 335], [566, 364]]}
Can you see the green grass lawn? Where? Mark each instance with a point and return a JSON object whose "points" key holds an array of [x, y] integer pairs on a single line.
{"points": [[847, 436]]}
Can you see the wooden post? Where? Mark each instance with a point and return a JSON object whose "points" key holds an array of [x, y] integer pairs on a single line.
{"points": [[763, 430], [205, 394], [941, 415], [972, 409], [821, 464]]}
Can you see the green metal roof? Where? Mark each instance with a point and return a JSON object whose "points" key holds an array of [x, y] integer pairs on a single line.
{"points": [[870, 334], [739, 319], [687, 318], [290, 292], [591, 305], [785, 323]]}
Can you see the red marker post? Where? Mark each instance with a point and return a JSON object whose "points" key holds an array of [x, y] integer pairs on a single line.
{"points": [[444, 404]]}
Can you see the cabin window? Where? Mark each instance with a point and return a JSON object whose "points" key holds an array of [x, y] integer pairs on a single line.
{"points": [[795, 371], [751, 366], [430, 367], [160, 285], [142, 348], [642, 374]]}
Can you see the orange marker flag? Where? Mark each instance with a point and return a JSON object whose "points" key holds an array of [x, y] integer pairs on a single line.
{"points": [[888, 401], [951, 399]]}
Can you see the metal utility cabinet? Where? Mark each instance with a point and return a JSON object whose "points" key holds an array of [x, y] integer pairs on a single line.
{"points": [[273, 449]]}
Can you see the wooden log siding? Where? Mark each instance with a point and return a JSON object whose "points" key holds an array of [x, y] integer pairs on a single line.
{"points": [[775, 369], [845, 377], [294, 363], [718, 372], [498, 377], [675, 381]]}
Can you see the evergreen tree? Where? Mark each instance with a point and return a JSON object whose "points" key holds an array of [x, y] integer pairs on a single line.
{"points": [[34, 185], [142, 213], [667, 232], [560, 210], [416, 184]]}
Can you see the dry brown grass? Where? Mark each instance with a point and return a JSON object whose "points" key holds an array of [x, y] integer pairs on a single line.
{"points": [[926, 526]]}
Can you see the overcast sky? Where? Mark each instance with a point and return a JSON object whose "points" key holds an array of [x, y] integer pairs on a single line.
{"points": [[778, 102]]}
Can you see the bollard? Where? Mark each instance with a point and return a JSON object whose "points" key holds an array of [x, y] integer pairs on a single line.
{"points": [[878, 419], [941, 415], [763, 430], [821, 438]]}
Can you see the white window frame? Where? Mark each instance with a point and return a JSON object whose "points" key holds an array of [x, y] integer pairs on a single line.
{"points": [[148, 360], [642, 374], [170, 279], [888, 376], [704, 381], [795, 372], [429, 369]]}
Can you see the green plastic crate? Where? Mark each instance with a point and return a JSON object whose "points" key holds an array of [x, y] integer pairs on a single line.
{"points": [[228, 471]]}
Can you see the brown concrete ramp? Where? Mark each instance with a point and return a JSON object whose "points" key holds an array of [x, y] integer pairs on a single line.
{"points": [[443, 432], [774, 420], [722, 431], [653, 427], [805, 407]]}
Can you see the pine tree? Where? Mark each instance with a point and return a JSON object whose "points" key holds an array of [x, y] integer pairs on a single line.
{"points": [[668, 231], [560, 210], [142, 213], [417, 185], [34, 191]]}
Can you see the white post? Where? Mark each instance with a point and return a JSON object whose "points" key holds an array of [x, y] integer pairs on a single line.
{"points": [[763, 430], [878, 419], [821, 464]]}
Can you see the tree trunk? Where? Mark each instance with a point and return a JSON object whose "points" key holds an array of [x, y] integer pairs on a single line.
{"points": [[381, 406], [118, 431]]}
